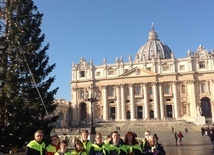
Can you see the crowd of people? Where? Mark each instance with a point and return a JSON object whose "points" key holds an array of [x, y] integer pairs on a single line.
{"points": [[113, 144]]}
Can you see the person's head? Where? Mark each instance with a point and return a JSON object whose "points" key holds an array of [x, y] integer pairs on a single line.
{"points": [[98, 138], [152, 140], [130, 138], [115, 136], [63, 145], [108, 138], [55, 140], [38, 135], [147, 133], [78, 145], [84, 135]]}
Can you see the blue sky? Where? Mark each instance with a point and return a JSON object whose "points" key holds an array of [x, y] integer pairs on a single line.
{"points": [[97, 29]]}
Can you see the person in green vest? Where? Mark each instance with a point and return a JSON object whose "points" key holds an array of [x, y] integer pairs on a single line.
{"points": [[52, 148], [36, 146], [84, 139], [144, 143], [63, 148], [132, 144], [116, 145], [99, 147], [78, 148]]}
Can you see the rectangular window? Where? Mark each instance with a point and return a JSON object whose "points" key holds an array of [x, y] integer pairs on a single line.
{"points": [[166, 68], [112, 101], [137, 90], [111, 92], [110, 72], [150, 91], [82, 73], [81, 93], [168, 99], [201, 64], [98, 74], [203, 88], [181, 67]]}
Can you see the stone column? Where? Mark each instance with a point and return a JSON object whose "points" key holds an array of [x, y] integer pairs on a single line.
{"points": [[105, 103], [175, 96], [146, 101], [187, 108], [75, 104], [211, 89], [131, 93], [192, 97], [156, 101], [118, 108], [212, 110], [123, 108], [162, 105]]}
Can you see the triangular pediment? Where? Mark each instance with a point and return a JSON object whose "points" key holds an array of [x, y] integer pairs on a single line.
{"points": [[202, 53], [83, 65], [137, 72]]}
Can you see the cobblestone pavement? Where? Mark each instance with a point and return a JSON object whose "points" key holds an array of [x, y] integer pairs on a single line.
{"points": [[193, 143]]}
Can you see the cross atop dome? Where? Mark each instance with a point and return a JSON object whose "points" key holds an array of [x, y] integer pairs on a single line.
{"points": [[153, 27]]}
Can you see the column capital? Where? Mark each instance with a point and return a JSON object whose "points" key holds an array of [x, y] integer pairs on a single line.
{"points": [[103, 87], [74, 88], [130, 84], [175, 82], [191, 81], [122, 85], [212, 81], [144, 83], [154, 83], [117, 86]]}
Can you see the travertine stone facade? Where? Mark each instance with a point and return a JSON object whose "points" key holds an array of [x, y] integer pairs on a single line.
{"points": [[153, 85], [64, 112]]}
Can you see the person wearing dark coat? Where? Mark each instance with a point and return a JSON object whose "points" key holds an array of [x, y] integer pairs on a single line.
{"points": [[36, 146], [133, 147], [154, 148]]}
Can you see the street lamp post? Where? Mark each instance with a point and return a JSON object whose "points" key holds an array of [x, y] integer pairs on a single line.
{"points": [[92, 99], [92, 127]]}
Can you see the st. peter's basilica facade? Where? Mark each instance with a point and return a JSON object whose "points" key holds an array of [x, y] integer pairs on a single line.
{"points": [[153, 85]]}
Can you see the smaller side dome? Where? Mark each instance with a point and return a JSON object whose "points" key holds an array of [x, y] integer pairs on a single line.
{"points": [[154, 48]]}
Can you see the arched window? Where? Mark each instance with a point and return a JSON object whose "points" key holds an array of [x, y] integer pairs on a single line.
{"points": [[167, 89], [183, 89]]}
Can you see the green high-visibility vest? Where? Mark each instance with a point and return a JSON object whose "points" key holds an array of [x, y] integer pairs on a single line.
{"points": [[35, 145]]}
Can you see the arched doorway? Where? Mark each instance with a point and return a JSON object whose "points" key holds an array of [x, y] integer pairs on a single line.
{"points": [[206, 107], [151, 114], [83, 112], [128, 115]]}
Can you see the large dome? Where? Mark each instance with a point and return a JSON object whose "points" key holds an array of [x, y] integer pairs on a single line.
{"points": [[154, 48]]}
